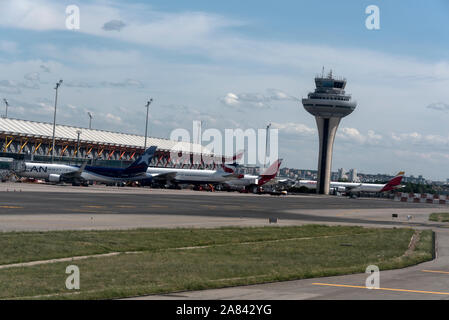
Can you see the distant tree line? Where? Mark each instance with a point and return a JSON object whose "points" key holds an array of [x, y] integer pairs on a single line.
{"points": [[410, 187]]}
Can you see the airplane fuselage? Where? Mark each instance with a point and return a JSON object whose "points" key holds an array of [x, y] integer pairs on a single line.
{"points": [[189, 176], [52, 172], [44, 170], [246, 181], [351, 186]]}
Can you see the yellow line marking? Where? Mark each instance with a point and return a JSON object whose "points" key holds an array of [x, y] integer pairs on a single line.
{"points": [[386, 289], [124, 206], [11, 207], [347, 212], [158, 206], [435, 271], [94, 207]]}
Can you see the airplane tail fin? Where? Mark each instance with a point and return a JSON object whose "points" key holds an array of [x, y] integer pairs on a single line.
{"points": [[83, 166], [229, 167], [238, 155], [232, 167], [141, 164], [393, 183], [270, 173]]}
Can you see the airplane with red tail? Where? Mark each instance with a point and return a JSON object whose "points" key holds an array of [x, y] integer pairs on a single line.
{"points": [[253, 183], [352, 187]]}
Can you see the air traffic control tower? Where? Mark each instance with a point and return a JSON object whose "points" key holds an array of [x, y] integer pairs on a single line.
{"points": [[328, 103]]}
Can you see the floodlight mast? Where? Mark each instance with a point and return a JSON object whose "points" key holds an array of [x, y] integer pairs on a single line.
{"points": [[78, 132], [266, 146], [90, 119], [54, 120], [6, 105], [146, 123]]}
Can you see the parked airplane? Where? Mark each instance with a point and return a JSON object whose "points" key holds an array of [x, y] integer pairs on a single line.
{"points": [[76, 175], [253, 183], [352, 187], [176, 176]]}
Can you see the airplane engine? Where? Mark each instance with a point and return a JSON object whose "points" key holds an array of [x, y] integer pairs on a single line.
{"points": [[54, 178]]}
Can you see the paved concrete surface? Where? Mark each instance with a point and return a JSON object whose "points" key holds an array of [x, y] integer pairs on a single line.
{"points": [[44, 207], [48, 207]]}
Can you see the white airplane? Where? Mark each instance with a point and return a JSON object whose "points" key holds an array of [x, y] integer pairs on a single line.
{"points": [[176, 176], [352, 187], [51, 172], [76, 175], [253, 183]]}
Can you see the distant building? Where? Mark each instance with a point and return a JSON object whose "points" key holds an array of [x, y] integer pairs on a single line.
{"points": [[353, 175], [342, 174]]}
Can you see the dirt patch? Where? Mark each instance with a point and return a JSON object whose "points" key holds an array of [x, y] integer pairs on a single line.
{"points": [[413, 241]]}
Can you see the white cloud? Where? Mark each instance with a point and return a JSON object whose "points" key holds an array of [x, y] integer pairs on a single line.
{"points": [[231, 99], [32, 76], [8, 46], [415, 138], [354, 135], [111, 118], [255, 100], [31, 14], [294, 128], [45, 68]]}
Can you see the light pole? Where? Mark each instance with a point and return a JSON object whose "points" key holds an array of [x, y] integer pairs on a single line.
{"points": [[78, 143], [54, 121], [90, 120], [6, 105], [146, 123], [266, 146]]}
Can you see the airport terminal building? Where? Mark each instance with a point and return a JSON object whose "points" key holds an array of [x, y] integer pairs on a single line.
{"points": [[31, 140]]}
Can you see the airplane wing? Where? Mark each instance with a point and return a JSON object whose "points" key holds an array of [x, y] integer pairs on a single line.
{"points": [[232, 176], [74, 174], [169, 176], [351, 187]]}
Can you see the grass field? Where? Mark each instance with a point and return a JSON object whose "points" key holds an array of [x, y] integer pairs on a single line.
{"points": [[439, 217], [164, 260]]}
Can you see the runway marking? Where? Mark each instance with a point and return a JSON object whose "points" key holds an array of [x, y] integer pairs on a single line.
{"points": [[226, 206], [340, 214], [347, 212], [11, 207], [385, 289], [435, 271], [209, 206], [86, 211]]}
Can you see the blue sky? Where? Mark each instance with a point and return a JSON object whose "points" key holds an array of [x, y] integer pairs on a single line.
{"points": [[240, 64]]}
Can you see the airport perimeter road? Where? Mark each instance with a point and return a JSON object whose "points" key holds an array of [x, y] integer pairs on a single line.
{"points": [[43, 208]]}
